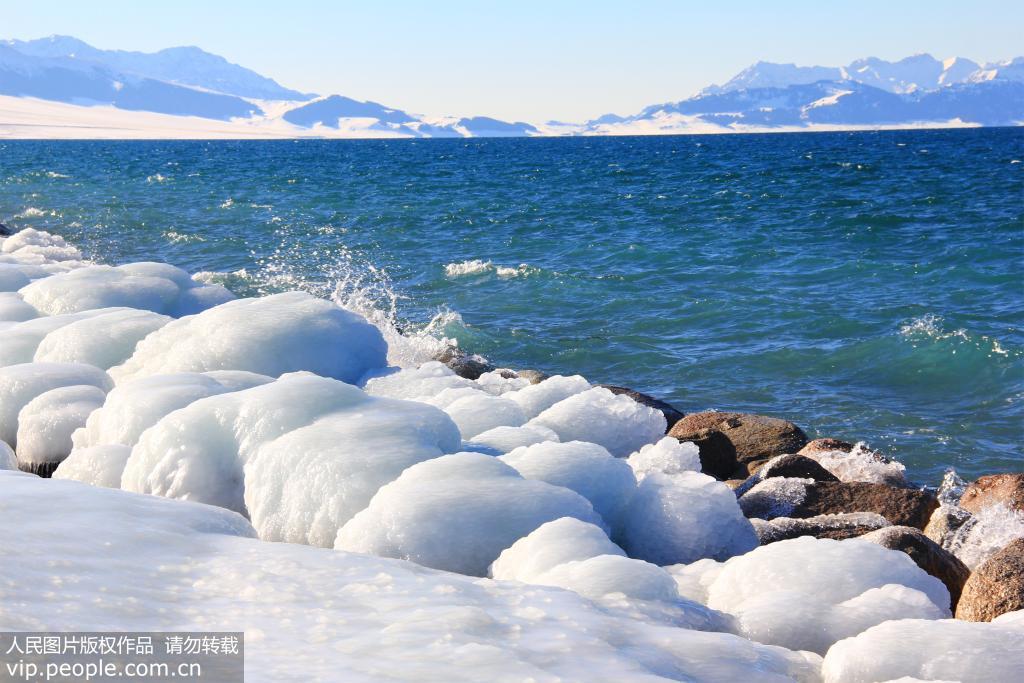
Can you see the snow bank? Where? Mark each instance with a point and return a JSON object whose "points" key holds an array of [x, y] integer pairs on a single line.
{"points": [[682, 518], [103, 340], [181, 566], [808, 593], [668, 456], [458, 513], [21, 383], [270, 335], [46, 423], [618, 423], [969, 652], [586, 468], [300, 455]]}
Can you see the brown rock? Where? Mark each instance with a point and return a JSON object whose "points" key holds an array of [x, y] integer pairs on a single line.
{"points": [[753, 436], [717, 454], [945, 522], [837, 527], [734, 483], [752, 466], [825, 446], [996, 587], [468, 365], [901, 506], [927, 554], [995, 489], [672, 415], [797, 466]]}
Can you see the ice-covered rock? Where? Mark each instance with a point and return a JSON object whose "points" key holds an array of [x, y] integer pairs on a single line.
{"points": [[618, 423], [808, 593], [586, 468], [8, 460], [505, 439], [41, 243], [271, 335], [300, 455], [929, 650], [536, 398], [694, 580], [668, 456], [21, 383], [479, 412], [860, 463], [156, 287], [13, 308], [95, 465], [500, 382], [175, 565], [102, 340], [428, 380], [12, 278], [19, 343], [685, 517], [46, 423], [553, 543], [458, 512]]}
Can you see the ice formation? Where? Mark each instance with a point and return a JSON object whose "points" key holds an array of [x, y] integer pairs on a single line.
{"points": [[947, 649], [13, 309], [46, 423], [808, 593], [271, 335], [176, 565], [8, 460], [478, 412], [47, 247], [563, 540], [505, 439], [586, 468], [685, 517], [616, 422], [102, 340], [667, 456], [157, 287], [537, 398], [428, 380], [458, 513], [21, 383], [19, 342], [861, 464]]}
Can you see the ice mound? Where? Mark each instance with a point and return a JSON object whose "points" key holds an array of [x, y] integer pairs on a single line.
{"points": [[969, 652], [597, 577], [300, 455], [46, 423], [271, 336], [176, 565], [19, 343], [586, 468], [103, 340], [458, 512], [95, 465], [8, 460], [537, 398], [157, 287], [21, 383], [428, 380], [774, 497], [694, 580], [861, 464], [807, 593], [479, 412], [682, 518], [618, 423], [12, 278], [668, 456], [500, 382], [505, 439], [40, 243], [14, 309], [564, 540]]}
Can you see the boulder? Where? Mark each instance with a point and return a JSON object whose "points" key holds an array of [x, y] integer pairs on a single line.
{"points": [[927, 554], [996, 587], [717, 454], [825, 446], [901, 506], [672, 415], [467, 365], [5, 231], [995, 489], [795, 466], [837, 527], [753, 436], [945, 522]]}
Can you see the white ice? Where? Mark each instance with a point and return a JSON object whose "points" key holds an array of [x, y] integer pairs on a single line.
{"points": [[667, 456], [21, 383], [46, 423]]}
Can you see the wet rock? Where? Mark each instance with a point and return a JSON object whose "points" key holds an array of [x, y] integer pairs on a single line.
{"points": [[717, 454], [468, 365], [796, 466], [5, 231], [945, 522], [672, 416], [927, 554], [837, 527], [825, 446], [901, 506], [531, 376], [996, 587], [750, 468], [995, 489], [753, 436]]}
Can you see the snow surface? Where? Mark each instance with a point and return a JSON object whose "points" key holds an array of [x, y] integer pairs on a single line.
{"points": [[144, 563]]}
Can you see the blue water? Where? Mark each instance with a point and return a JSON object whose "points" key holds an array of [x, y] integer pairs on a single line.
{"points": [[865, 285]]}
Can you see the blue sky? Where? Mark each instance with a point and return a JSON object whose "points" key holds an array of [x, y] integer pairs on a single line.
{"points": [[567, 60]]}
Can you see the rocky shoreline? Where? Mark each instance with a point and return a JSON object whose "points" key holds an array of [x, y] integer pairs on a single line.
{"points": [[783, 487]]}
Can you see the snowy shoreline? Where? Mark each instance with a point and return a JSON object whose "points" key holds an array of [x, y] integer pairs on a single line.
{"points": [[440, 524]]}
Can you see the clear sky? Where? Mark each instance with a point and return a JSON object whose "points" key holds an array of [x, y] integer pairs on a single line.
{"points": [[529, 60]]}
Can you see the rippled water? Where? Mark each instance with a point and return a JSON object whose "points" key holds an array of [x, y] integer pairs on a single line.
{"points": [[865, 285]]}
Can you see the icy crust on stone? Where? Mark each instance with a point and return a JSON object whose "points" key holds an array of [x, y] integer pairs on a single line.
{"points": [[13, 309], [458, 512], [668, 456], [564, 540], [985, 533], [537, 398], [505, 439], [774, 497], [586, 468], [616, 422], [969, 652], [500, 382], [29, 242], [46, 422], [181, 566], [157, 287], [300, 455], [685, 517], [21, 383], [12, 278], [808, 593], [96, 465], [271, 336], [19, 342], [102, 340], [479, 412], [8, 460], [861, 464], [694, 580], [426, 381]]}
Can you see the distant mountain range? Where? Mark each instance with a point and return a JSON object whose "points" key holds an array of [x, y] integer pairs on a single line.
{"points": [[179, 88]]}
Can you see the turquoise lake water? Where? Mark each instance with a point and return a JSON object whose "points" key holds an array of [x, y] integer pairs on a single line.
{"points": [[865, 285]]}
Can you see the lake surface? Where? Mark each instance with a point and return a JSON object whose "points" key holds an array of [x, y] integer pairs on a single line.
{"points": [[864, 285]]}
